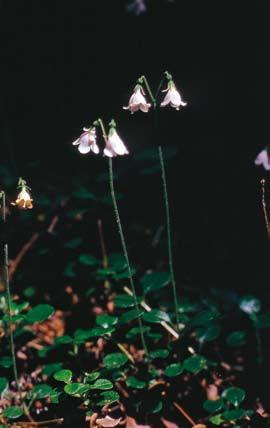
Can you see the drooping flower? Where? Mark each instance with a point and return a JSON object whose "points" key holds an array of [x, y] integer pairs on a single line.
{"points": [[114, 145], [136, 6], [138, 101], [173, 97], [87, 141], [263, 159], [24, 199]]}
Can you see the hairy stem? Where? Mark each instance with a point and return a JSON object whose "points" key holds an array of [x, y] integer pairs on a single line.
{"points": [[169, 233], [124, 247]]}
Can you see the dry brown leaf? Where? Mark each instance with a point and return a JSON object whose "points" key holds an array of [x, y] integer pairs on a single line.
{"points": [[108, 422], [199, 426], [131, 423], [212, 392], [169, 424]]}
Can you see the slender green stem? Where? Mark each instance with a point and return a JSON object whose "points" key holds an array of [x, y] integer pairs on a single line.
{"points": [[8, 297], [101, 124], [159, 88], [123, 242], [149, 91], [169, 238]]}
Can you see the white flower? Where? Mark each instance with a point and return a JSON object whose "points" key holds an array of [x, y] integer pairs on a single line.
{"points": [[263, 159], [137, 101], [24, 199], [114, 145], [172, 97], [87, 141]]}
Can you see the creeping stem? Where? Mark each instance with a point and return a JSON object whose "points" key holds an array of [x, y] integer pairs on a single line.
{"points": [[123, 242]]}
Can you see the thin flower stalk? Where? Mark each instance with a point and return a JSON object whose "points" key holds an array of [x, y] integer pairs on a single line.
{"points": [[153, 98], [123, 242], [121, 233], [8, 298]]}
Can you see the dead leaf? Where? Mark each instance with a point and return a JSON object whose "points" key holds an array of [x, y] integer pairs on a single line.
{"points": [[131, 423], [199, 426], [169, 424], [108, 422]]}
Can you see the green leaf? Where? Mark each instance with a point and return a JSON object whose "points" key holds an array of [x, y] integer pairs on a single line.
{"points": [[117, 261], [133, 382], [208, 333], [102, 384], [130, 316], [174, 370], [155, 281], [155, 315], [124, 301], [234, 395], [81, 335], [156, 407], [108, 397], [5, 362], [236, 338], [13, 412], [29, 292], [195, 363], [106, 320], [54, 395], [115, 360], [41, 391], [204, 317], [91, 377], [63, 375], [50, 369], [69, 270], [213, 406], [83, 193], [125, 274], [63, 340], [88, 260], [39, 313], [217, 419], [233, 415], [73, 243], [3, 384], [76, 389], [250, 304], [159, 353], [135, 331]]}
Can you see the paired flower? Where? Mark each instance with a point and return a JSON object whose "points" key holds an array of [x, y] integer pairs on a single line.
{"points": [[114, 144], [138, 101], [263, 159], [24, 200], [173, 97], [87, 141]]}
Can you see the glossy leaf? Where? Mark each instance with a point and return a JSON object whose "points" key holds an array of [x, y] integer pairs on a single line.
{"points": [[174, 370], [115, 360], [39, 313], [155, 281], [13, 412], [234, 395], [63, 375], [195, 363]]}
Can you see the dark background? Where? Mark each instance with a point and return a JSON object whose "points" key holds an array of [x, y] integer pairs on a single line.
{"points": [[64, 63]]}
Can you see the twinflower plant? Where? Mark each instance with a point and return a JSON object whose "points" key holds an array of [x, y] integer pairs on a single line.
{"points": [[114, 146], [173, 99]]}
